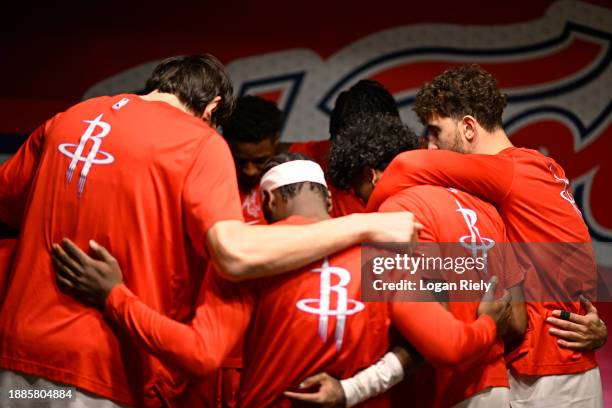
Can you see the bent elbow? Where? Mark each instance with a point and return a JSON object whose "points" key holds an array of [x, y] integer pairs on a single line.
{"points": [[206, 367], [231, 261], [233, 270]]}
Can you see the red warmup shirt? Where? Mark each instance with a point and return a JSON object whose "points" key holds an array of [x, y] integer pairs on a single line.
{"points": [[534, 200], [7, 251], [289, 328], [453, 216], [145, 180], [343, 202], [251, 206]]}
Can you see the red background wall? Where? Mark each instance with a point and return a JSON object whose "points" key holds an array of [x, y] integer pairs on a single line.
{"points": [[51, 54]]}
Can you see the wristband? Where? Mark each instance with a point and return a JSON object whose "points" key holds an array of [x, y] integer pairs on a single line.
{"points": [[374, 380]]}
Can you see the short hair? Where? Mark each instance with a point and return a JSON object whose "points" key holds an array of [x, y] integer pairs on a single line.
{"points": [[363, 98], [195, 80], [254, 119], [291, 190], [372, 141], [460, 91]]}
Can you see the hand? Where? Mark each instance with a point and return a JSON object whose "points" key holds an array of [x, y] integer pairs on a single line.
{"points": [[499, 310], [330, 393], [87, 279], [392, 227], [583, 333]]}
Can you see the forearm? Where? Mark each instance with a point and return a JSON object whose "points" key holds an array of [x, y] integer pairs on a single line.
{"points": [[518, 321], [487, 176], [199, 352], [376, 379], [249, 251], [447, 341]]}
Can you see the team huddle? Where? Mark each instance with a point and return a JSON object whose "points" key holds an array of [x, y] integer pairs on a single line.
{"points": [[159, 263]]}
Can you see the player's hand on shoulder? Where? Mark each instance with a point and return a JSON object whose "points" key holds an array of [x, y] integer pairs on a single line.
{"points": [[89, 279]]}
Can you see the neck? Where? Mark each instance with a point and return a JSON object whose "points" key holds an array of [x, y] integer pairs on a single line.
{"points": [[170, 99], [492, 142], [309, 209]]}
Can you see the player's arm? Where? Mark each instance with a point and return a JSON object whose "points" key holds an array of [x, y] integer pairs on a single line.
{"points": [[221, 318], [16, 175], [443, 340], [368, 383], [487, 176], [518, 319], [512, 276], [244, 251]]}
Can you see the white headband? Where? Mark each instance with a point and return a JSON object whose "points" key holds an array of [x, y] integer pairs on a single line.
{"points": [[296, 171]]}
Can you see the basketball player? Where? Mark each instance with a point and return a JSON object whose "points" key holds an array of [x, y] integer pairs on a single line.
{"points": [[364, 98], [469, 150], [359, 156], [149, 177], [253, 133], [290, 324]]}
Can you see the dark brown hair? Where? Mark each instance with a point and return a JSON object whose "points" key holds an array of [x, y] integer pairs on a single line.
{"points": [[195, 80], [460, 91]]}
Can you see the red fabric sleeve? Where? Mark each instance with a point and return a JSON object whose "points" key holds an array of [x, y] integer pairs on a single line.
{"points": [[438, 336], [487, 176], [513, 272], [210, 193], [222, 317], [16, 176]]}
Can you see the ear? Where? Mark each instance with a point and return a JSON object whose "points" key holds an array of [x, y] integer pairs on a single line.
{"points": [[210, 108], [330, 203], [268, 200], [469, 127], [375, 176]]}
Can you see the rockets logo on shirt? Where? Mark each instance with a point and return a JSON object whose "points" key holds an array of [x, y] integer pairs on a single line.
{"points": [[79, 153], [478, 245], [322, 306]]}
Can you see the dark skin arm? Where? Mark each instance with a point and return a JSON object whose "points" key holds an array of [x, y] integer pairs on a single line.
{"points": [[88, 279], [518, 318]]}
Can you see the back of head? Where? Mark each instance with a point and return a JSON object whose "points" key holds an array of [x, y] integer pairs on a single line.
{"points": [[372, 141], [253, 120], [461, 91], [364, 98], [195, 80], [291, 190]]}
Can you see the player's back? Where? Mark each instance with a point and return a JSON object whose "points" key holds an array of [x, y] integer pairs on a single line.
{"points": [[112, 169], [309, 321], [465, 226], [540, 212]]}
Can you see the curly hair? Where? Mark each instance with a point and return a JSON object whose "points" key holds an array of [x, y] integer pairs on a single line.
{"points": [[254, 119], [373, 141], [365, 97], [291, 190], [195, 80], [460, 91]]}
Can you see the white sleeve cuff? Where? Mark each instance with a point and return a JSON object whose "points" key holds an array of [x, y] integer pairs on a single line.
{"points": [[374, 380]]}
